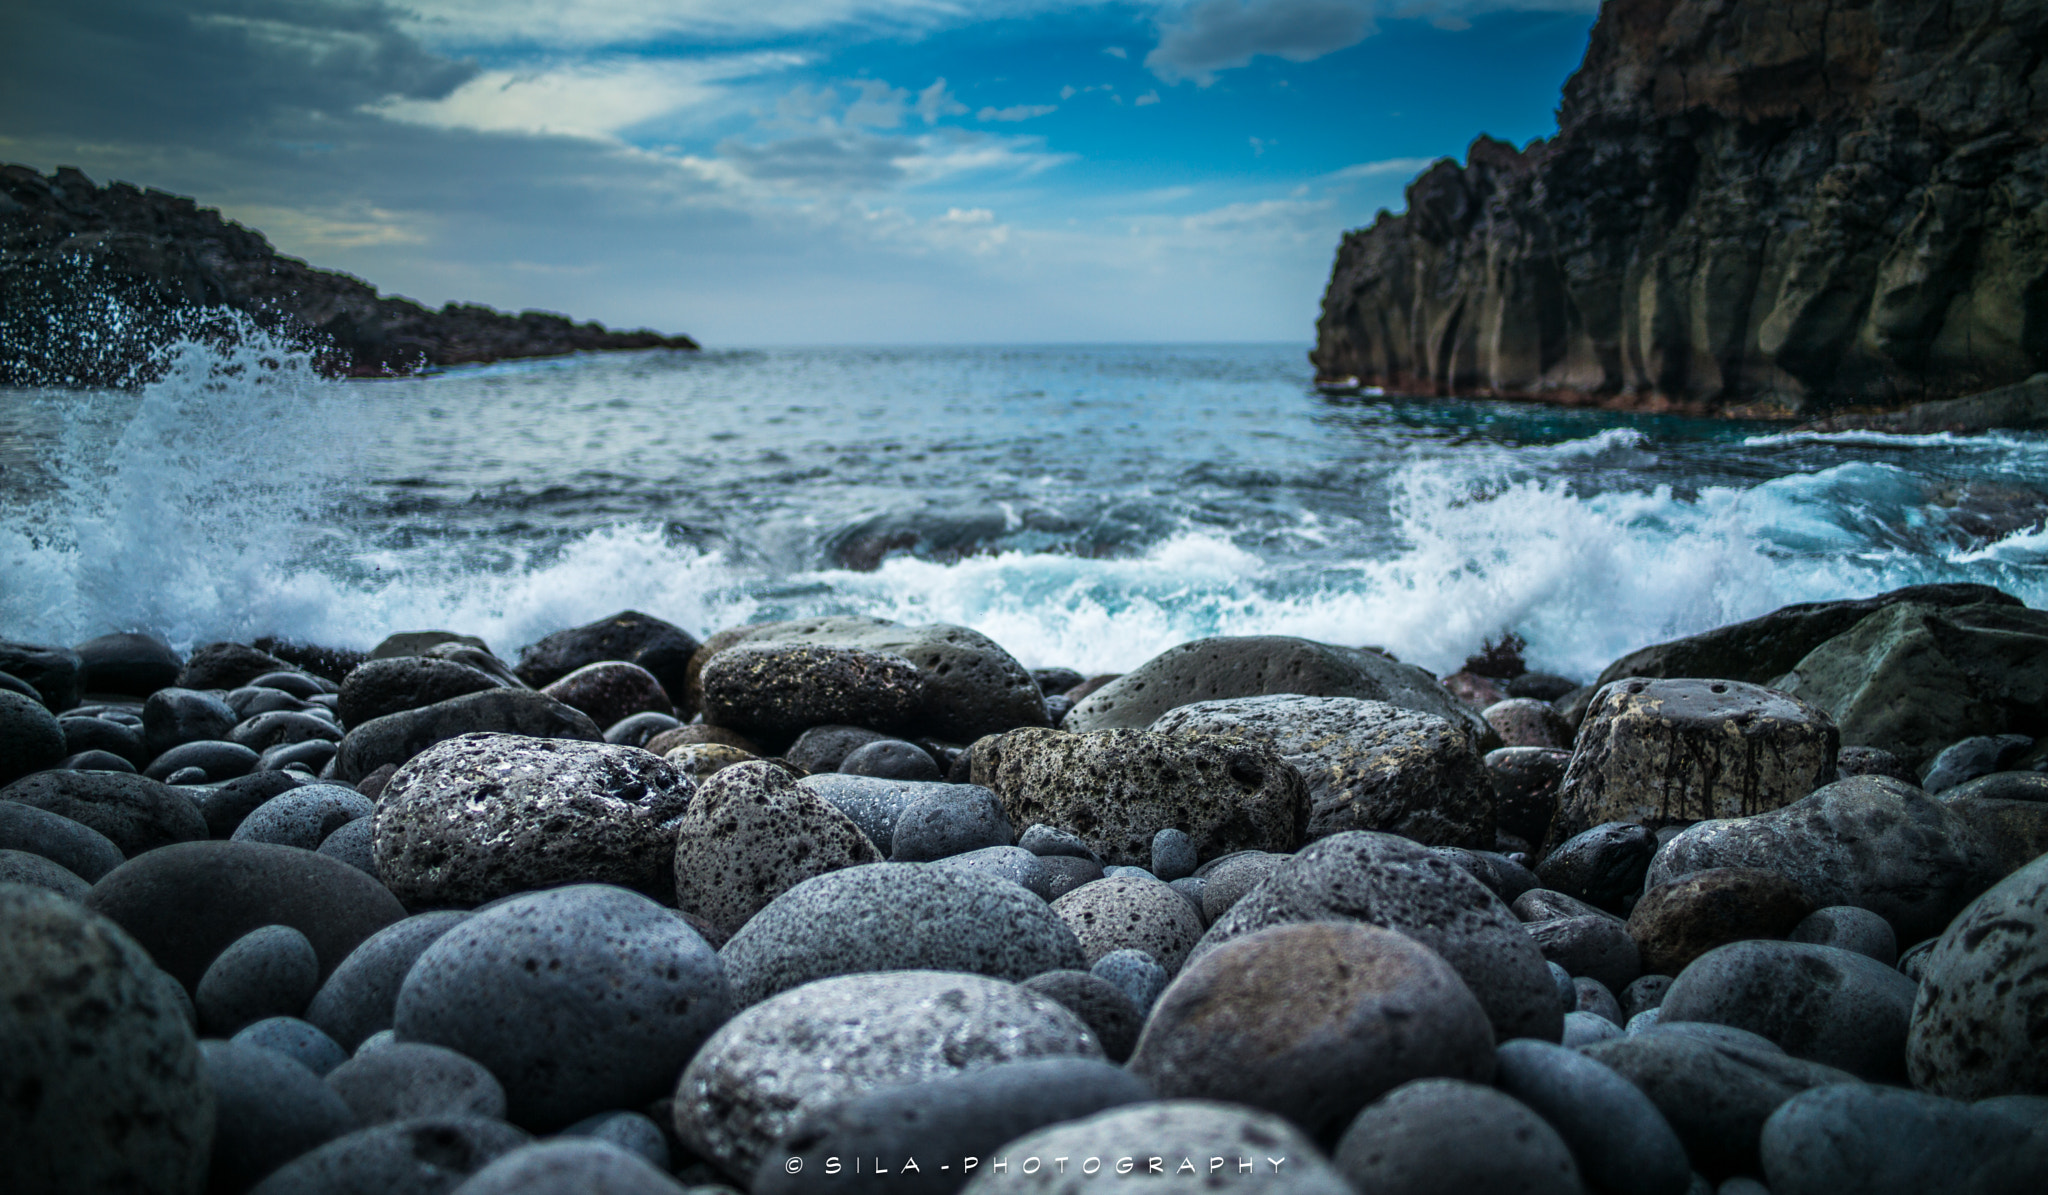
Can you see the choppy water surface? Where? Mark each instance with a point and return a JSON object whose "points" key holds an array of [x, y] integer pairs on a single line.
{"points": [[1085, 506]]}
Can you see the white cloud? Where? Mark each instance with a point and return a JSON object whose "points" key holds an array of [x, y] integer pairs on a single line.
{"points": [[970, 215], [878, 105], [1150, 97], [1381, 168], [1116, 51], [1016, 112], [589, 99], [935, 102]]}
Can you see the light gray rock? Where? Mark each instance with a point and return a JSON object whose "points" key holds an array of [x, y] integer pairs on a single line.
{"points": [[1368, 765], [1043, 840], [873, 804], [1312, 1021], [1662, 751], [948, 821], [1592, 996], [1582, 1028], [1012, 863], [1139, 914], [896, 917], [1203, 1145], [826, 1042], [753, 834], [487, 815], [1976, 1026], [1173, 855], [1226, 880], [102, 1082], [303, 817], [1435, 1135], [295, 1039], [1867, 841], [1115, 789], [1382, 880], [1136, 974], [579, 999], [1621, 1141]]}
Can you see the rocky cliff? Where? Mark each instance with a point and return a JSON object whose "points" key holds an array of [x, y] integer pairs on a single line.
{"points": [[1789, 207], [90, 275]]}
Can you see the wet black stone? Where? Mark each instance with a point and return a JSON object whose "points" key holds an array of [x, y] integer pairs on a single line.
{"points": [[1604, 866], [128, 662], [136, 813]]}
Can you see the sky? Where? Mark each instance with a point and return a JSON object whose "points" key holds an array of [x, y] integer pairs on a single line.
{"points": [[756, 172]]}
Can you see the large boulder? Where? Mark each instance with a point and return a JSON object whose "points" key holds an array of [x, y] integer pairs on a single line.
{"points": [[897, 917], [396, 738], [1867, 841], [227, 666], [1260, 666], [1368, 765], [1978, 1027], [1656, 752], [138, 814], [188, 902], [1767, 647], [1116, 789], [1820, 1003], [487, 815], [972, 687], [1312, 1021], [792, 1057], [773, 691], [1395, 884], [128, 662], [55, 673], [102, 1083], [1913, 678], [662, 648], [752, 834], [399, 683], [579, 1000]]}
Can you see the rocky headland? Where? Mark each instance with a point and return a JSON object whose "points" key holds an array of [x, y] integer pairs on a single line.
{"points": [[844, 905], [91, 276], [1774, 208]]}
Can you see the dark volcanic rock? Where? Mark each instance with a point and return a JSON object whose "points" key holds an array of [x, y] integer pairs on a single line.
{"points": [[128, 662], [1977, 1028], [78, 848], [227, 666], [752, 834], [1258, 666], [71, 242], [399, 683], [136, 813], [428, 1155], [396, 738], [610, 690], [662, 648], [31, 737], [1747, 205], [1820, 1003], [771, 691]]}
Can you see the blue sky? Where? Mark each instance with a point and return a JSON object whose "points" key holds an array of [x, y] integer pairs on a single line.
{"points": [[798, 171]]}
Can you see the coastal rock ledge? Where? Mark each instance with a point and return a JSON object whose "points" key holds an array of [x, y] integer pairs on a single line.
{"points": [[68, 248], [1792, 208]]}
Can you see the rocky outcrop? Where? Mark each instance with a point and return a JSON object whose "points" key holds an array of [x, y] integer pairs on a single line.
{"points": [[1751, 207], [75, 254]]}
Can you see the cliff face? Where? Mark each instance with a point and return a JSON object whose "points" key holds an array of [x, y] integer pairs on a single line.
{"points": [[69, 247], [1751, 206]]}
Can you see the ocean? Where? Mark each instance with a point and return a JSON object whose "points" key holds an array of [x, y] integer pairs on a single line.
{"points": [[1085, 505]]}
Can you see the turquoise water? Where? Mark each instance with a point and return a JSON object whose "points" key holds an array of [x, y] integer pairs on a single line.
{"points": [[1086, 506]]}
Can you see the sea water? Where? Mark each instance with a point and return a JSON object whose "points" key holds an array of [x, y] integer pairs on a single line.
{"points": [[1085, 506]]}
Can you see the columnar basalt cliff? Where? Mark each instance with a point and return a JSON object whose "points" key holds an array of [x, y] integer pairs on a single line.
{"points": [[1751, 207], [71, 251]]}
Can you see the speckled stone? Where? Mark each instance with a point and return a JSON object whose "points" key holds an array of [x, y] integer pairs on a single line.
{"points": [[1368, 765], [410, 1079], [390, 686], [1436, 1135], [1312, 1021], [1160, 1138], [1139, 914], [1012, 863], [303, 817], [1977, 1022], [295, 1039], [578, 999], [1104, 1007], [1677, 922], [1382, 880], [357, 999], [1603, 866], [1661, 751], [397, 738], [950, 820], [135, 813], [269, 1110], [103, 1085], [611, 690], [874, 804], [1527, 722], [897, 917], [488, 815], [31, 738], [1137, 974], [773, 691], [78, 848], [828, 1041], [1115, 789], [753, 834], [1820, 1003], [1525, 781], [20, 867]]}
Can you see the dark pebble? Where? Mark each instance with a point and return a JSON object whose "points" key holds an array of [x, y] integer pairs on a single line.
{"points": [[172, 717], [411, 1079], [78, 848], [304, 817], [268, 972], [635, 729], [1603, 866], [428, 1156], [268, 1110], [135, 813], [890, 759], [358, 998], [31, 738], [1102, 1006], [296, 1039], [218, 759]]}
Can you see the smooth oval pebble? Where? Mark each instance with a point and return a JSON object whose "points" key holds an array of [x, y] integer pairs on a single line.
{"points": [[303, 817], [357, 1000], [1312, 1021], [1876, 1140], [1136, 914], [949, 820], [428, 1156], [1437, 1135], [630, 1131], [1201, 1144], [271, 1110], [1849, 928], [1821, 1003], [79, 849], [579, 999], [1109, 1013], [1620, 1140], [268, 972], [829, 1041], [411, 1079], [1134, 973], [295, 1039], [569, 1166]]}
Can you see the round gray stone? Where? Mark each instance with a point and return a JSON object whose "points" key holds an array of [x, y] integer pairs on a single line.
{"points": [[487, 815], [358, 998], [1877, 1141], [20, 867], [1110, 1014], [1590, 947], [1138, 914], [79, 849], [896, 917], [1436, 1135], [1312, 1021], [303, 817], [890, 759], [271, 1109], [578, 999], [569, 1166], [1820, 1003], [1382, 880], [826, 1042], [102, 1082], [1136, 974], [874, 804], [1592, 996], [410, 1079], [1226, 880], [1582, 1028], [1201, 1144], [268, 972], [428, 1156], [1173, 855], [753, 834], [135, 813], [296, 1039], [1621, 1141], [951, 821], [630, 1131], [31, 738], [355, 844], [1977, 1028], [1012, 863]]}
